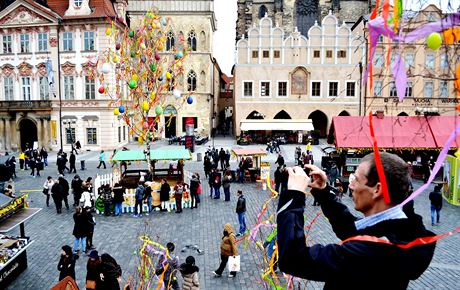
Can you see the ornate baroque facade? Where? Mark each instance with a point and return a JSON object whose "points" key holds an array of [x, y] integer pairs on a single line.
{"points": [[290, 14], [65, 35], [291, 76]]}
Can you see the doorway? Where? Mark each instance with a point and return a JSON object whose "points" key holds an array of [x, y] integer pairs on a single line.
{"points": [[28, 133], [170, 127]]}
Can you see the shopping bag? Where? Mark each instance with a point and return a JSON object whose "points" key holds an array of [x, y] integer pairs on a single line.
{"points": [[234, 263]]}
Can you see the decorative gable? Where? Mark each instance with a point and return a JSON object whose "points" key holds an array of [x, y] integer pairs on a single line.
{"points": [[21, 16], [78, 8]]}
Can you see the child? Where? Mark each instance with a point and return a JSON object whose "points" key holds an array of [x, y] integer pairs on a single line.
{"points": [[167, 266], [190, 274]]}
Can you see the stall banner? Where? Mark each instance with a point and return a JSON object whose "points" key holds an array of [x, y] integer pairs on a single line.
{"points": [[451, 188], [264, 170]]}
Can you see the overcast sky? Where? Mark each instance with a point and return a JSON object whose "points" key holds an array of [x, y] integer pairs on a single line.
{"points": [[224, 37]]}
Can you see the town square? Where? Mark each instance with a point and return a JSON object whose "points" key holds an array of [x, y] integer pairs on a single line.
{"points": [[229, 144]]}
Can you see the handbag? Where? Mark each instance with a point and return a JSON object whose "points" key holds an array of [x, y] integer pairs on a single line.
{"points": [[90, 284], [45, 191], [198, 191], [234, 263]]}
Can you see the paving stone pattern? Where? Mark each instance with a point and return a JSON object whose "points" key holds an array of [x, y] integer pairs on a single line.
{"points": [[203, 226]]}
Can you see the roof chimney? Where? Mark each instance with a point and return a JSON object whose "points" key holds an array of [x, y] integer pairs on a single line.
{"points": [[380, 114]]}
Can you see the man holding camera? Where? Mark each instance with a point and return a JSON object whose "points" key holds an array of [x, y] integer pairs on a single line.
{"points": [[370, 255]]}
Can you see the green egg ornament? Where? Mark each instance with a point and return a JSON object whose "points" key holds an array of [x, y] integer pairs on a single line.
{"points": [[434, 40], [153, 67], [132, 84], [131, 33], [158, 110]]}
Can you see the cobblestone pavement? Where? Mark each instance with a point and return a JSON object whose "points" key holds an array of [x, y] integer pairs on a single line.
{"points": [[203, 226]]}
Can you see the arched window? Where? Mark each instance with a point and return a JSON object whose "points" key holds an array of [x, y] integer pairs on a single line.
{"points": [[191, 81], [191, 40], [262, 11], [170, 40]]}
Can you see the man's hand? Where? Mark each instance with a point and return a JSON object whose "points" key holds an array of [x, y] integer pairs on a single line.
{"points": [[298, 179], [319, 177]]}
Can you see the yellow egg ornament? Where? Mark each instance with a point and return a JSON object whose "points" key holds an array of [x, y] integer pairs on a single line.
{"points": [[145, 106], [108, 31], [116, 112], [135, 77], [153, 96], [168, 75]]}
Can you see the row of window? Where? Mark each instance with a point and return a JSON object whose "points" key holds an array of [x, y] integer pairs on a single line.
{"points": [[409, 58], [43, 87], [428, 89], [91, 136], [42, 42], [316, 53], [191, 40], [69, 87], [333, 89]]}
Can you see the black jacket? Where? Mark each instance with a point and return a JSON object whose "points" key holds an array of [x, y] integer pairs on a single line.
{"points": [[436, 198], [354, 264], [118, 193], [241, 204], [66, 266]]}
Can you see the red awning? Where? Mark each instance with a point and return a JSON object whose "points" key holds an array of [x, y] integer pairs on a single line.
{"points": [[390, 131], [442, 127]]}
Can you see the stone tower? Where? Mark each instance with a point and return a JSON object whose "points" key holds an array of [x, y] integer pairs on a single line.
{"points": [[302, 14]]}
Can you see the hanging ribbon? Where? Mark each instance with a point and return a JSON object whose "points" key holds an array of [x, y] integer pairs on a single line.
{"points": [[378, 162], [416, 242]]}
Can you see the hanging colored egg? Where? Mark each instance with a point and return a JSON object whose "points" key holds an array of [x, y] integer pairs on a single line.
{"points": [[157, 56], [168, 75], [116, 112], [117, 46], [135, 77], [190, 100], [434, 40], [145, 106], [176, 93], [132, 84], [164, 21], [101, 90], [106, 68], [131, 33], [133, 54], [153, 67], [108, 31], [180, 54], [142, 45], [152, 95], [143, 58], [160, 78], [121, 20], [158, 110], [121, 109], [145, 125]]}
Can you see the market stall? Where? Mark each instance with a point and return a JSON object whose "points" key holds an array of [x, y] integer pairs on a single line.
{"points": [[255, 155], [153, 174], [13, 256]]}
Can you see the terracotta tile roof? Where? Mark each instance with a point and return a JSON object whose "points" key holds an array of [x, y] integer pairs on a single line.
{"points": [[101, 8], [227, 79]]}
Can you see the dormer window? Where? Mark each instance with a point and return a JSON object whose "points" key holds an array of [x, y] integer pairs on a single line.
{"points": [[77, 3]]}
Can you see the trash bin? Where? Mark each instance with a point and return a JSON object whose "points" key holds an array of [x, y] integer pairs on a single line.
{"points": [[82, 164], [199, 157]]}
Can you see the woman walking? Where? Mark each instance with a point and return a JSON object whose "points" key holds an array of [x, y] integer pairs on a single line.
{"points": [[47, 188], [227, 248], [92, 270], [190, 274]]}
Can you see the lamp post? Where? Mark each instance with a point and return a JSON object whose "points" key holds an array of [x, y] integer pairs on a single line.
{"points": [[213, 131], [360, 84], [59, 80]]}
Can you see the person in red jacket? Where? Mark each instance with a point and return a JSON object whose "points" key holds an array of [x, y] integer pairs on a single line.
{"points": [[354, 263]]}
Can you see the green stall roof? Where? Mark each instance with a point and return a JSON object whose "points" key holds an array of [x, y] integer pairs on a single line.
{"points": [[157, 154], [170, 154], [129, 155]]}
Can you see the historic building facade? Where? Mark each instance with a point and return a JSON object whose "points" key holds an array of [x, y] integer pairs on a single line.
{"points": [[291, 76], [55, 37], [290, 14], [431, 73], [195, 22]]}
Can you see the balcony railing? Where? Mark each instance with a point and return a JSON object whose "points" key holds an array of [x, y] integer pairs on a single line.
{"points": [[24, 105]]}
